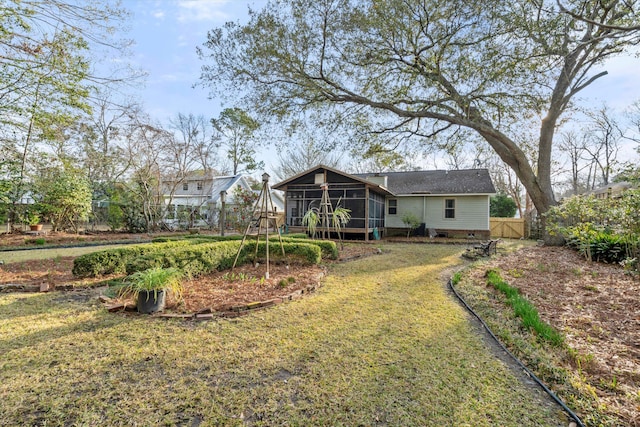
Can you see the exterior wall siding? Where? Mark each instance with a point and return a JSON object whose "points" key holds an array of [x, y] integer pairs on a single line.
{"points": [[413, 205], [471, 212]]}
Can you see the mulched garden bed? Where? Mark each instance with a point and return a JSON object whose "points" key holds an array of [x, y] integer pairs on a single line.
{"points": [[595, 306], [223, 291]]}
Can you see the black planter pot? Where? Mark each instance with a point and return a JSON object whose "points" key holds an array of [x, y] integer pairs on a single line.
{"points": [[151, 301]]}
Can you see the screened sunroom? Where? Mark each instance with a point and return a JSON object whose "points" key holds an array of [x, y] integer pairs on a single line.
{"points": [[364, 199]]}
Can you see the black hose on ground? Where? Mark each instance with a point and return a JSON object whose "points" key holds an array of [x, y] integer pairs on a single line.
{"points": [[531, 374]]}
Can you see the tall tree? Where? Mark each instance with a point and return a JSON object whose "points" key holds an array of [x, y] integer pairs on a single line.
{"points": [[235, 133], [426, 67], [302, 155], [101, 141], [194, 145], [143, 189], [46, 73], [63, 195], [572, 146], [602, 142]]}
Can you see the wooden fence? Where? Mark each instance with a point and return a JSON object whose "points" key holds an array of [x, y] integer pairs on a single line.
{"points": [[508, 228]]}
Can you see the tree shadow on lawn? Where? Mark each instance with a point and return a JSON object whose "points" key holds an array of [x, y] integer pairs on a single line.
{"points": [[27, 310], [381, 343]]}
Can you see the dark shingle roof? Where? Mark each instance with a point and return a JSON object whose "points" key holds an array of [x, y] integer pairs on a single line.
{"points": [[466, 181]]}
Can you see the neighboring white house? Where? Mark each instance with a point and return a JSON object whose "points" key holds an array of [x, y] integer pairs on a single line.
{"points": [[451, 203], [197, 196]]}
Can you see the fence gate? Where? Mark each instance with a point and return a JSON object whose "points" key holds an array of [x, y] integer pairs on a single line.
{"points": [[508, 228]]}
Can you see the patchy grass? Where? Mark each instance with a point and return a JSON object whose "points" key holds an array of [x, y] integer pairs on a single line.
{"points": [[523, 309], [382, 343], [30, 254]]}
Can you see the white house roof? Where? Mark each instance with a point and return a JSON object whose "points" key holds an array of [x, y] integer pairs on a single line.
{"points": [[224, 183]]}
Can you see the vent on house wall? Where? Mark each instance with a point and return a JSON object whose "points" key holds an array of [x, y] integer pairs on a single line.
{"points": [[319, 178]]}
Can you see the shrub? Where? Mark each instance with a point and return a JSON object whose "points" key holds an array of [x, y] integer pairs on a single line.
{"points": [[411, 221], [206, 257], [114, 261], [192, 260], [328, 247], [606, 230]]}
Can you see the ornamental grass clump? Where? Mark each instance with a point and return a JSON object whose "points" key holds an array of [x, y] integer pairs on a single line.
{"points": [[153, 281]]}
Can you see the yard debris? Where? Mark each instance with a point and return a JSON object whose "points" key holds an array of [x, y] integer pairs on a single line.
{"points": [[122, 306]]}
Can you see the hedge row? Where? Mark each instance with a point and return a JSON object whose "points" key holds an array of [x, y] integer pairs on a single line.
{"points": [[329, 248], [192, 255], [204, 258], [115, 260], [224, 238]]}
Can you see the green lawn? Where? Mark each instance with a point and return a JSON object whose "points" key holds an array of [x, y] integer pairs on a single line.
{"points": [[382, 343]]}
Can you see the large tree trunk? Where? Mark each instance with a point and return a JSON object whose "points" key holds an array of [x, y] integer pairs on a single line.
{"points": [[538, 185]]}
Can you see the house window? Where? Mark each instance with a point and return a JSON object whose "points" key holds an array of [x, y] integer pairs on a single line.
{"points": [[199, 185], [393, 206], [185, 186], [450, 208]]}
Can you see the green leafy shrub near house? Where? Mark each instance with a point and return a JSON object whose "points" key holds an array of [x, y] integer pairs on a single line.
{"points": [[411, 221], [605, 230], [502, 206], [207, 257]]}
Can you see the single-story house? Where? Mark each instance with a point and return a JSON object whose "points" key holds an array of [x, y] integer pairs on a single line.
{"points": [[449, 203], [611, 191]]}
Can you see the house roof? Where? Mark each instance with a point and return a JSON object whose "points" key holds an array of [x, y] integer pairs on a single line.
{"points": [[283, 184], [612, 189], [436, 182], [464, 181], [223, 183]]}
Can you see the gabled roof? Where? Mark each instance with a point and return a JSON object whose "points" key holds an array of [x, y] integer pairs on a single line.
{"points": [[464, 181], [435, 182], [283, 184], [221, 183]]}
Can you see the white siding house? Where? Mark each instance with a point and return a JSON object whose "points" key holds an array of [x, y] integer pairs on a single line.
{"points": [[196, 198]]}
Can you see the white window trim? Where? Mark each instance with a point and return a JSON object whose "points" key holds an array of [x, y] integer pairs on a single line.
{"points": [[455, 208], [388, 206]]}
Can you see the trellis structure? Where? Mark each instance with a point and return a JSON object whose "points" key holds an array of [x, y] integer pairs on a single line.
{"points": [[264, 215]]}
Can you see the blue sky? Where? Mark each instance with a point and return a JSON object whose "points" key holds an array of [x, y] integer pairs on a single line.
{"points": [[167, 32]]}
